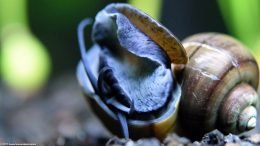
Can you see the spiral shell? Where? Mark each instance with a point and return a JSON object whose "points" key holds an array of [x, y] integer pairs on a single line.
{"points": [[218, 86], [131, 61]]}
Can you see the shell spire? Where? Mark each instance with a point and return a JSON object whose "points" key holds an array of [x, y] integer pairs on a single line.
{"points": [[219, 86], [238, 112]]}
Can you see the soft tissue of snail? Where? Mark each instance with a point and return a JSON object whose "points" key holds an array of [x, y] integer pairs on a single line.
{"points": [[129, 83]]}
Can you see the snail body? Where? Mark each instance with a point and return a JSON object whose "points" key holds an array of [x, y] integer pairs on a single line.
{"points": [[135, 93], [131, 87], [158, 126]]}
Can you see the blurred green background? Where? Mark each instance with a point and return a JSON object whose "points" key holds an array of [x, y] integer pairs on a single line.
{"points": [[52, 24], [47, 30], [39, 52]]}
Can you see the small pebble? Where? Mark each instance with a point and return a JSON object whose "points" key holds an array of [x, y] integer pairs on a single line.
{"points": [[213, 138], [142, 142], [255, 139], [231, 139], [174, 140]]}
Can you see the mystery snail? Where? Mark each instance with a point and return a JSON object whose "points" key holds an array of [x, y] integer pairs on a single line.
{"points": [[128, 78], [219, 85]]}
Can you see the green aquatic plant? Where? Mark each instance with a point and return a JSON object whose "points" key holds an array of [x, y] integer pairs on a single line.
{"points": [[25, 64], [151, 7], [243, 20]]}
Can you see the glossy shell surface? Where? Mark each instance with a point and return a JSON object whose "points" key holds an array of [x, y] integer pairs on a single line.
{"points": [[218, 65]]}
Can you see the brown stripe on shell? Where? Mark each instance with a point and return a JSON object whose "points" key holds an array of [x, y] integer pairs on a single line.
{"points": [[198, 110], [157, 32], [196, 88], [221, 42], [233, 75], [243, 61], [192, 49], [233, 46]]}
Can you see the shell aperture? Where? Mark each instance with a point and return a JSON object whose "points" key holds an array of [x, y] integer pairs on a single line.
{"points": [[131, 85], [132, 66]]}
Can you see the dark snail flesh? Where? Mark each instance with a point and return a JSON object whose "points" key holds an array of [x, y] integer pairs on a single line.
{"points": [[128, 80], [131, 82]]}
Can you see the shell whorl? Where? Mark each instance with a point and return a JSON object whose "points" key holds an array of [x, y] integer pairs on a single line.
{"points": [[241, 101], [218, 65]]}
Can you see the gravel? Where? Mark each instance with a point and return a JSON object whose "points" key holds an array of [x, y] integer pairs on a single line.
{"points": [[59, 115]]}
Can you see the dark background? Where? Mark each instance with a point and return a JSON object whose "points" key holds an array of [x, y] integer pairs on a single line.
{"points": [[55, 23]]}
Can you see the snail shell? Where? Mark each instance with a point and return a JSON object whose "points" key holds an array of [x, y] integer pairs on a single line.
{"points": [[219, 86], [132, 64]]}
